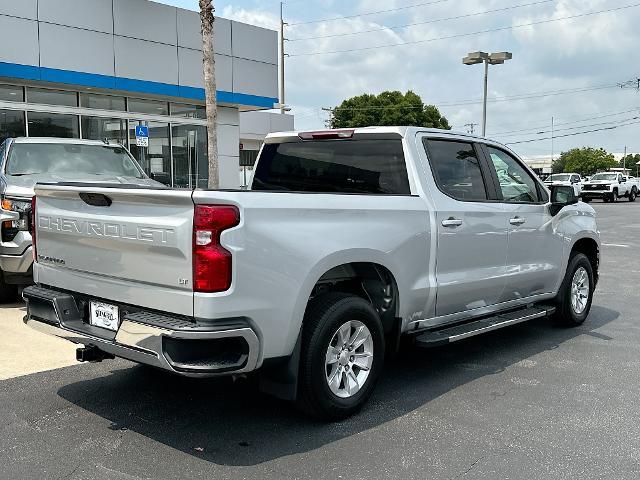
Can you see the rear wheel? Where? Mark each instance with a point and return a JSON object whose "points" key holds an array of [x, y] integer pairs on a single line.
{"points": [[632, 195], [574, 298], [342, 355]]}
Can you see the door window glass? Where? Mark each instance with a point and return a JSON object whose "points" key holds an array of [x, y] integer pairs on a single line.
{"points": [[112, 129], [456, 169], [516, 183], [11, 124], [53, 125], [156, 158], [190, 161]]}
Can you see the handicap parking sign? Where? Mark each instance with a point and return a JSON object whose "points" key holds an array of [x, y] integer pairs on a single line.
{"points": [[142, 136]]}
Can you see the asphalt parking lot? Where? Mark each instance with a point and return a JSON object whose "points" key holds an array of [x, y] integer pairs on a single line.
{"points": [[532, 401]]}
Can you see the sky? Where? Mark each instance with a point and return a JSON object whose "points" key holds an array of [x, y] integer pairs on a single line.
{"points": [[568, 69]]}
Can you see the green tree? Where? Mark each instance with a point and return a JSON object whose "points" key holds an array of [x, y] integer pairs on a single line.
{"points": [[388, 108], [587, 160], [630, 161], [557, 166]]}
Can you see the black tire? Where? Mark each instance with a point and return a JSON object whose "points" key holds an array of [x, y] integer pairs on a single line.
{"points": [[565, 314], [324, 316], [632, 195], [614, 196], [8, 292]]}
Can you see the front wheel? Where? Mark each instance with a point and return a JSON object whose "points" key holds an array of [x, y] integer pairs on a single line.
{"points": [[342, 355], [8, 292], [574, 298]]}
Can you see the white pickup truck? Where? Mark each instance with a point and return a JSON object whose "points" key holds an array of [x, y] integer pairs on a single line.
{"points": [[610, 186], [347, 241]]}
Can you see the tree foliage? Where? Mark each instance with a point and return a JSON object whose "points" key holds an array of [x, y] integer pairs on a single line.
{"points": [[585, 161], [388, 108], [630, 162]]}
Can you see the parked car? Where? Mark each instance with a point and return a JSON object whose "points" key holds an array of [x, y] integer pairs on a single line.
{"points": [[347, 241], [27, 161], [567, 179], [609, 186]]}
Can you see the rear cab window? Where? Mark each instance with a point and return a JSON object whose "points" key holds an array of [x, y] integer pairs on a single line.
{"points": [[359, 165]]}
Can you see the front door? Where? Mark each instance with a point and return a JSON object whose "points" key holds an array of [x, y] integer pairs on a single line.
{"points": [[534, 255], [472, 232]]}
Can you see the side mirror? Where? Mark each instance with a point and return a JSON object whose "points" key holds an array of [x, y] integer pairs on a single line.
{"points": [[562, 196], [162, 177]]}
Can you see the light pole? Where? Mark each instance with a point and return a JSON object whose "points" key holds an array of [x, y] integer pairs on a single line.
{"points": [[488, 59]]}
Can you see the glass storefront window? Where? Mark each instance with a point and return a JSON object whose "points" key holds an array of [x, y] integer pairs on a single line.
{"points": [[190, 161], [11, 93], [98, 128], [156, 158], [186, 110], [53, 125], [152, 107], [52, 97], [11, 124], [102, 102]]}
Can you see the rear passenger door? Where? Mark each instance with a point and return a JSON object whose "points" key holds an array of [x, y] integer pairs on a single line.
{"points": [[535, 249], [472, 231]]}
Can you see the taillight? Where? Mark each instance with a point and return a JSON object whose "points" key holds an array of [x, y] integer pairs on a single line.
{"points": [[212, 262], [33, 228]]}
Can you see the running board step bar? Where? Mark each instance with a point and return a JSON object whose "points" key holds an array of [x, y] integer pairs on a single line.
{"points": [[436, 338]]}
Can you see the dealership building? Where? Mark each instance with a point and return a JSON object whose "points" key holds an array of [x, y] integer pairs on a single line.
{"points": [[95, 69]]}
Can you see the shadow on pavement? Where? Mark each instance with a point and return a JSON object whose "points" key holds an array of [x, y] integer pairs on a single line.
{"points": [[232, 424]]}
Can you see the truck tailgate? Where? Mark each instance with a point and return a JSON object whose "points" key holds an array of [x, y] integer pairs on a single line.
{"points": [[131, 245]]}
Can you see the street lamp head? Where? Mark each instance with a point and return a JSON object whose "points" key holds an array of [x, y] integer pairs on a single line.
{"points": [[500, 57], [474, 58]]}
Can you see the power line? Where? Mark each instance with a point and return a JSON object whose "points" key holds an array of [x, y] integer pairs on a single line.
{"points": [[574, 134], [583, 126], [522, 96], [530, 129], [396, 27], [458, 35], [332, 19]]}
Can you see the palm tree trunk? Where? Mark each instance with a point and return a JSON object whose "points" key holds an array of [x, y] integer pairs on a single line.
{"points": [[208, 65]]}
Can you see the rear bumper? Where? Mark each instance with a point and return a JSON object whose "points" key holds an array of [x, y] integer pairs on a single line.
{"points": [[171, 343]]}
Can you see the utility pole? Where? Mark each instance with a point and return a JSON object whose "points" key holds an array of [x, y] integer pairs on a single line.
{"points": [[552, 139], [484, 101], [211, 102], [624, 161], [470, 127], [282, 55]]}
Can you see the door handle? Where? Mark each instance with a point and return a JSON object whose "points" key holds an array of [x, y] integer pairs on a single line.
{"points": [[517, 221], [451, 222]]}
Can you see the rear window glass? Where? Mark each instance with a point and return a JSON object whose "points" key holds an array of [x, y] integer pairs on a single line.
{"points": [[345, 166]]}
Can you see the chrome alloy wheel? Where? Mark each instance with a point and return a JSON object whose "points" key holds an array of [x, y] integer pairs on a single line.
{"points": [[580, 290], [349, 358]]}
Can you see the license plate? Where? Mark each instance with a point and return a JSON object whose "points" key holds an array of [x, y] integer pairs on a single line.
{"points": [[104, 315]]}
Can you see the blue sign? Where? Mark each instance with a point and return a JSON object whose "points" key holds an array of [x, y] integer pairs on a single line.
{"points": [[142, 131]]}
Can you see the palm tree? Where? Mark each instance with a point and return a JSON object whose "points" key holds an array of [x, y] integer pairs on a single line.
{"points": [[208, 65]]}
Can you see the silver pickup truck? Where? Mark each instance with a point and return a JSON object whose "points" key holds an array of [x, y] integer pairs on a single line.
{"points": [[27, 161], [347, 241]]}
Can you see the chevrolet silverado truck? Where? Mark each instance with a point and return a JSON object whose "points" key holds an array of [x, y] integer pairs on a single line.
{"points": [[610, 187], [346, 242], [565, 179], [27, 161]]}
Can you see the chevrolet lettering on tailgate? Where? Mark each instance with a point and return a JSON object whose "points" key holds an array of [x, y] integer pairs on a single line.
{"points": [[142, 233]]}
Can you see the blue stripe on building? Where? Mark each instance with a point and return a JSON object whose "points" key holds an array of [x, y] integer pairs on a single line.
{"points": [[43, 74]]}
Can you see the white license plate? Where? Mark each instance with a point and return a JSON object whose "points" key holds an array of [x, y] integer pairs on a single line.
{"points": [[104, 315]]}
